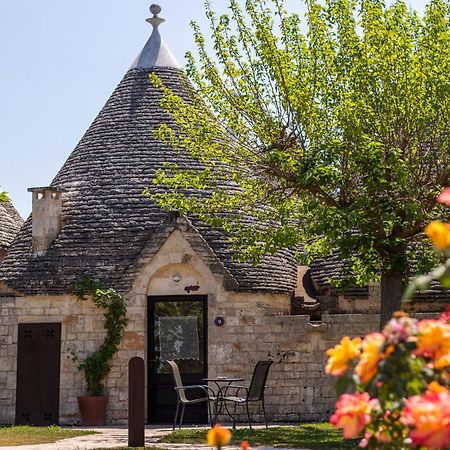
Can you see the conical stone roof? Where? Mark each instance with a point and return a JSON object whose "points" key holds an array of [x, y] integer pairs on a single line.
{"points": [[10, 223], [109, 226]]}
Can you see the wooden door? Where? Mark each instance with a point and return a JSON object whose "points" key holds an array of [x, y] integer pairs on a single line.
{"points": [[38, 372], [177, 331]]}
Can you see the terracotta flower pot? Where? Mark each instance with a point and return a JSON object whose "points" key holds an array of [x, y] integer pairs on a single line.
{"points": [[93, 410]]}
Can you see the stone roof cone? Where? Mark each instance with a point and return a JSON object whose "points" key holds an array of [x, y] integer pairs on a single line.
{"points": [[108, 227], [10, 223]]}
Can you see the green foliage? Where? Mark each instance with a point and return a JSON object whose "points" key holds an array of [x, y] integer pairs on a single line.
{"points": [[423, 282], [97, 366], [3, 197], [333, 128]]}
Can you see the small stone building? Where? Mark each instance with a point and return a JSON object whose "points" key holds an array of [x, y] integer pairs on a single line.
{"points": [[187, 297], [10, 223]]}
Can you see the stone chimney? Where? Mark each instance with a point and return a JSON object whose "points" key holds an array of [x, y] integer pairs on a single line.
{"points": [[46, 217]]}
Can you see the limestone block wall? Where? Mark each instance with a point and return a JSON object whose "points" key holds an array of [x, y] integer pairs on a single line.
{"points": [[81, 333], [8, 329], [298, 388]]}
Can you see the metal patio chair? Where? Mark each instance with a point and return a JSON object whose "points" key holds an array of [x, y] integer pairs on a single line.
{"points": [[182, 398], [253, 392]]}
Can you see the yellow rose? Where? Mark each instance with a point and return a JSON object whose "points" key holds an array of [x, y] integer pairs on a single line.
{"points": [[370, 356], [218, 436], [342, 354], [433, 339], [439, 233]]}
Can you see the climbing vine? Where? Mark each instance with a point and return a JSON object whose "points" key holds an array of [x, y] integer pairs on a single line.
{"points": [[97, 366]]}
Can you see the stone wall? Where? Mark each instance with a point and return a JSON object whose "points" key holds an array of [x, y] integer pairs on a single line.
{"points": [[8, 338], [298, 388]]}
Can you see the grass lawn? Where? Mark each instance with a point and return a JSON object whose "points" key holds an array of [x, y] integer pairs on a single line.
{"points": [[26, 435], [307, 435]]}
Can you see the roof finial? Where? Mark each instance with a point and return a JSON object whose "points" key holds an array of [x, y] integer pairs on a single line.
{"points": [[155, 21], [155, 52]]}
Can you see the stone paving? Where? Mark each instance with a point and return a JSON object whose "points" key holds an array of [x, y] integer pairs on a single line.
{"points": [[116, 437]]}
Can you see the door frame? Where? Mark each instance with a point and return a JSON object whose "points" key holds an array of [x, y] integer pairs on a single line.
{"points": [[151, 333]]}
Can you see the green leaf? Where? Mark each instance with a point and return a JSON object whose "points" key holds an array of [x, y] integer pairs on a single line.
{"points": [[98, 365], [445, 281], [343, 385]]}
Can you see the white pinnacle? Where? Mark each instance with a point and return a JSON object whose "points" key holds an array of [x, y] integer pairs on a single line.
{"points": [[155, 53]]}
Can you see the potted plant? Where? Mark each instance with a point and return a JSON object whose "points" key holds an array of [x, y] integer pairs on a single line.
{"points": [[98, 365]]}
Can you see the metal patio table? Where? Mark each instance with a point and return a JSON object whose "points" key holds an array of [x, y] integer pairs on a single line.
{"points": [[222, 383]]}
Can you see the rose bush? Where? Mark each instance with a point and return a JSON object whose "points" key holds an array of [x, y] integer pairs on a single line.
{"points": [[399, 380], [394, 385]]}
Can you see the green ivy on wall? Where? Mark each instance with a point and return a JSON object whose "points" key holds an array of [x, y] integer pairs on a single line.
{"points": [[98, 365]]}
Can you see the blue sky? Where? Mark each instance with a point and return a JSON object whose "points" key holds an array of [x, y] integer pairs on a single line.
{"points": [[60, 61]]}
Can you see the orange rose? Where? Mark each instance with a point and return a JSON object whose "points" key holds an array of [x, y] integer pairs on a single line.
{"points": [[435, 387], [218, 436], [429, 418], [342, 354], [433, 340], [353, 413], [439, 233], [442, 362], [370, 356]]}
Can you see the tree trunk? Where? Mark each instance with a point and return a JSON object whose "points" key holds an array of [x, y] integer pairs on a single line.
{"points": [[392, 286]]}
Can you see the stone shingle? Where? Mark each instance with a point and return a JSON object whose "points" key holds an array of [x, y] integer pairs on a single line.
{"points": [[10, 223]]}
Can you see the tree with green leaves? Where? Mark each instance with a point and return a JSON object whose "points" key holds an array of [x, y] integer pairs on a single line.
{"points": [[334, 128], [3, 197]]}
